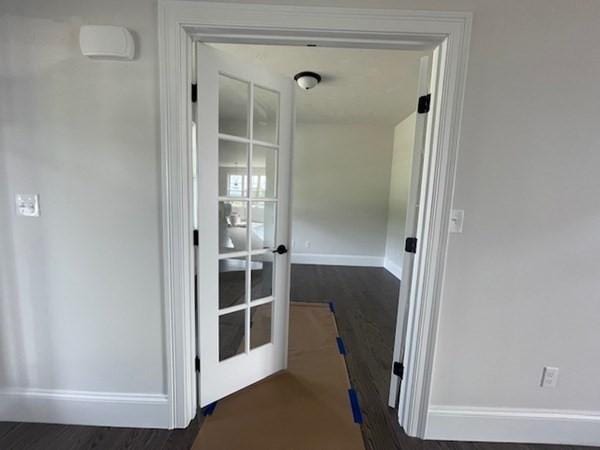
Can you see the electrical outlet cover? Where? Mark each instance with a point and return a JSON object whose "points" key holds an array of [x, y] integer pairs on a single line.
{"points": [[28, 205], [549, 377]]}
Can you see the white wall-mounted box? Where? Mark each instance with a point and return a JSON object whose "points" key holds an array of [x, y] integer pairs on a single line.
{"points": [[106, 41]]}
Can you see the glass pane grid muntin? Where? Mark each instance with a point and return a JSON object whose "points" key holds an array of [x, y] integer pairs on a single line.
{"points": [[261, 276], [260, 251], [236, 205], [233, 334], [270, 238], [277, 114], [249, 169], [245, 181], [249, 199], [265, 161], [244, 306], [245, 140], [261, 325], [248, 112], [248, 282], [245, 199]]}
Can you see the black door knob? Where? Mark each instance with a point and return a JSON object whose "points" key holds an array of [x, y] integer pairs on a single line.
{"points": [[281, 249]]}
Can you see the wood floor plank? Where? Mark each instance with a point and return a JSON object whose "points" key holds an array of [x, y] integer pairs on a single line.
{"points": [[7, 428], [32, 436], [183, 439]]}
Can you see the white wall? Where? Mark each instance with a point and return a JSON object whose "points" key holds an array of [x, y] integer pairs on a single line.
{"points": [[404, 138], [341, 182], [522, 283], [521, 289], [80, 287]]}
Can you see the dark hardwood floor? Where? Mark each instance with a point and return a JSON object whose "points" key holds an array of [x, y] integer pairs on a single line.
{"points": [[365, 301]]}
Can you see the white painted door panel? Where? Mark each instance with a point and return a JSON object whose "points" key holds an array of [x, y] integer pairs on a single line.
{"points": [[244, 140], [411, 229]]}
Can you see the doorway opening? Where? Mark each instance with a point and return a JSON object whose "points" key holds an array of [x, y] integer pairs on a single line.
{"points": [[182, 23], [354, 181]]}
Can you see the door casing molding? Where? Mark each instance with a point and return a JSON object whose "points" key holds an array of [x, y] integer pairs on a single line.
{"points": [[182, 22]]}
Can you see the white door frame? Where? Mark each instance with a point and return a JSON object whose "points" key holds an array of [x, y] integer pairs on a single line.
{"points": [[179, 23]]}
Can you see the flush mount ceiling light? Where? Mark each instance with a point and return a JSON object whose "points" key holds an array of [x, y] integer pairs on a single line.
{"points": [[307, 80]]}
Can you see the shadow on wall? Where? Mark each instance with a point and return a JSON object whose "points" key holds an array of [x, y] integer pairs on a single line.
{"points": [[12, 355], [12, 349], [22, 305]]}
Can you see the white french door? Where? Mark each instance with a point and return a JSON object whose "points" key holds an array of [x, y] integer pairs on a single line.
{"points": [[244, 138], [411, 231]]}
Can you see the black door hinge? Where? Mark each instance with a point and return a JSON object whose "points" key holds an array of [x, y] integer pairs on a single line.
{"points": [[410, 246], [197, 364], [398, 369], [194, 92], [423, 106], [196, 238]]}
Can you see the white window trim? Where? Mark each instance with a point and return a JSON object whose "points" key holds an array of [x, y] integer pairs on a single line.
{"points": [[180, 22]]}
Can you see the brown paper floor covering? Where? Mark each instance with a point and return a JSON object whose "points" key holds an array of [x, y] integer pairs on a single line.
{"points": [[305, 407]]}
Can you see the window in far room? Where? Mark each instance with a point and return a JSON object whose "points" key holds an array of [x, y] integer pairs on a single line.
{"points": [[236, 184]]}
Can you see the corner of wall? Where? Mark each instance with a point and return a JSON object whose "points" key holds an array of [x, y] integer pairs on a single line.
{"points": [[393, 268]]}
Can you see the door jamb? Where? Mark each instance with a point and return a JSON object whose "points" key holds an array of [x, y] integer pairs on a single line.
{"points": [[179, 23]]}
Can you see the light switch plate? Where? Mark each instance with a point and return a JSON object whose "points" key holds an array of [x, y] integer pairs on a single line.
{"points": [[28, 205], [457, 217], [549, 377]]}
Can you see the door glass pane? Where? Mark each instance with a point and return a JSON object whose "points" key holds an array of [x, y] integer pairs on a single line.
{"points": [[233, 169], [260, 325], [266, 115], [233, 216], [234, 105], [261, 276], [263, 225], [232, 281], [264, 170], [231, 334]]}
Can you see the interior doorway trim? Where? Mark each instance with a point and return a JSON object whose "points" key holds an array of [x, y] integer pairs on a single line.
{"points": [[182, 22]]}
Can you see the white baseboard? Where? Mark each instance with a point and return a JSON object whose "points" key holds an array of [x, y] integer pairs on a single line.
{"points": [[85, 408], [392, 268], [337, 260], [513, 425]]}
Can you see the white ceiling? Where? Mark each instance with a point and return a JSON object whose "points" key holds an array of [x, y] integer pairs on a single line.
{"points": [[358, 86]]}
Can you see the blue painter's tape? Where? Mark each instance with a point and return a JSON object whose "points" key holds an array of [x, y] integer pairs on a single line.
{"points": [[341, 346], [210, 409], [356, 413], [331, 307]]}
